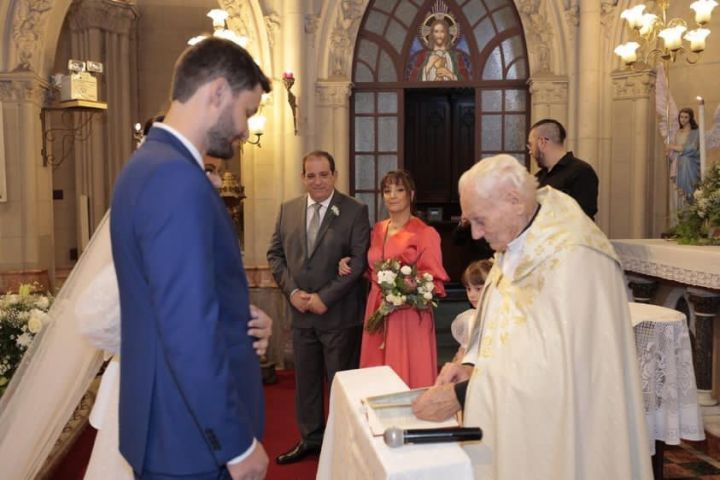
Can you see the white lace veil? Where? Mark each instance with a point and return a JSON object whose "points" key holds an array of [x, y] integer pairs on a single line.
{"points": [[54, 374]]}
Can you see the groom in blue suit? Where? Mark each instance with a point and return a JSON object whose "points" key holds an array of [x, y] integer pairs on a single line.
{"points": [[191, 400]]}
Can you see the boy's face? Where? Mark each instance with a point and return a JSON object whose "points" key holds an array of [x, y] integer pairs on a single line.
{"points": [[473, 293]]}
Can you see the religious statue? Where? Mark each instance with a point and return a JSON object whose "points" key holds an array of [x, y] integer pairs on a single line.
{"points": [[684, 155], [683, 141], [439, 60]]}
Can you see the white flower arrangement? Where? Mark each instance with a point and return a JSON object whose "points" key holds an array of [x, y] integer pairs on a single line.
{"points": [[401, 286], [699, 223], [22, 316], [335, 210]]}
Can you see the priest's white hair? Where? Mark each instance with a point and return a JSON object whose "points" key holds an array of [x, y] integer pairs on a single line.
{"points": [[490, 174]]}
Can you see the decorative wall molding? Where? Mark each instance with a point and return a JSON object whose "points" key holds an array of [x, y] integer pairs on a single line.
{"points": [[549, 90], [108, 15], [272, 24], [333, 94], [28, 26], [22, 87], [537, 34], [312, 21], [631, 84], [342, 38], [608, 15], [572, 17], [239, 17]]}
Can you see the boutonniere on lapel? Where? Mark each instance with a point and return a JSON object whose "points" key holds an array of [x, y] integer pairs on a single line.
{"points": [[335, 210]]}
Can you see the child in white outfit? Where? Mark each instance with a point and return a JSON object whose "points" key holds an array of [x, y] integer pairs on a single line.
{"points": [[473, 278]]}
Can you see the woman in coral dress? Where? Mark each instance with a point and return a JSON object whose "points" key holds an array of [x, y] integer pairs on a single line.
{"points": [[407, 343]]}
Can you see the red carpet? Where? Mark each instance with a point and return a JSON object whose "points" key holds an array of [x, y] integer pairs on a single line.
{"points": [[281, 434]]}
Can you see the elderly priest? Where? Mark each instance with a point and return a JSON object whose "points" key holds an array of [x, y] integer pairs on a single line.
{"points": [[551, 374]]}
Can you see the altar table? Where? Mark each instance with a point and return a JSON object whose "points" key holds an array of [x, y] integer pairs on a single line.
{"points": [[693, 265], [351, 452]]}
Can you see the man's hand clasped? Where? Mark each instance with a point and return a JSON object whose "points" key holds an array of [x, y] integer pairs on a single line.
{"points": [[308, 302]]}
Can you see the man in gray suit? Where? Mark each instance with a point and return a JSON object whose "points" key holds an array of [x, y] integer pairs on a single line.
{"points": [[313, 232]]}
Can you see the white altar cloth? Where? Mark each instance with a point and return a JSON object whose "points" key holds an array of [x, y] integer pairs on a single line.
{"points": [[689, 264], [350, 451]]}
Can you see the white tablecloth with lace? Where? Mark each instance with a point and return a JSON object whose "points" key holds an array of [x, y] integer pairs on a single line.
{"points": [[689, 264], [668, 382]]}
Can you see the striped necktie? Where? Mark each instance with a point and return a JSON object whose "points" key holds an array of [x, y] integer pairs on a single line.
{"points": [[314, 226]]}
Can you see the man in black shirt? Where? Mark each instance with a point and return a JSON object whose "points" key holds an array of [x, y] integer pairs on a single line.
{"points": [[561, 169]]}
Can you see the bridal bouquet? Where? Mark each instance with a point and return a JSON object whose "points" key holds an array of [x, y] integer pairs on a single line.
{"points": [[22, 316], [401, 286], [699, 223]]}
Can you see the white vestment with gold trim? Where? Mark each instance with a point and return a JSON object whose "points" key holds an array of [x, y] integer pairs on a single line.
{"points": [[556, 386]]}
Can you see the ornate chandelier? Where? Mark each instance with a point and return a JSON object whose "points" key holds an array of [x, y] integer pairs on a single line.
{"points": [[219, 18], [660, 38]]}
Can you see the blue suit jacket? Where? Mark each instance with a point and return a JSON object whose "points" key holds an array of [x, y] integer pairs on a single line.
{"points": [[190, 389]]}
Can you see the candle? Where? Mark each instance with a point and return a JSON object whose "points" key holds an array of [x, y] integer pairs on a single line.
{"points": [[701, 127]]}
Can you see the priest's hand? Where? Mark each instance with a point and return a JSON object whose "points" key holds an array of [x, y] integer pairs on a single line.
{"points": [[260, 327], [452, 373], [437, 404]]}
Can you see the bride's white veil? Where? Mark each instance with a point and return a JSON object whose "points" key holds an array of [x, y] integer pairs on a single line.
{"points": [[54, 374]]}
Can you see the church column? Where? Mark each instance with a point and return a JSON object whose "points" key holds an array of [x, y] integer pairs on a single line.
{"points": [[705, 357], [549, 97], [632, 147], [588, 81], [101, 31], [333, 102], [293, 43], [26, 219]]}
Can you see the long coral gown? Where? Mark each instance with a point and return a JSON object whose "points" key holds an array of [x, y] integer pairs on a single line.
{"points": [[408, 342]]}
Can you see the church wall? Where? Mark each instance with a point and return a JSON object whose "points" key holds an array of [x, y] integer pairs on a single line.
{"points": [[315, 39], [164, 27]]}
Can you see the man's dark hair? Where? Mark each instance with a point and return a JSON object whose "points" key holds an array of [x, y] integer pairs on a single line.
{"points": [[321, 154], [214, 58], [551, 129]]}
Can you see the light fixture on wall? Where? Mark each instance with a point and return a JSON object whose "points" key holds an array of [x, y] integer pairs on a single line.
{"points": [[219, 18], [657, 37], [289, 80]]}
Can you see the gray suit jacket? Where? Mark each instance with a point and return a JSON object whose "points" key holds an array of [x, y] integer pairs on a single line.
{"points": [[345, 234]]}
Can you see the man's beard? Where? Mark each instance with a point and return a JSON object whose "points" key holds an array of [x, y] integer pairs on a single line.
{"points": [[539, 159], [220, 137]]}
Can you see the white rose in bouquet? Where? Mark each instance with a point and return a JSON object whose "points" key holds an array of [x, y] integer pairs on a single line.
{"points": [[42, 303], [37, 320], [406, 270], [386, 276]]}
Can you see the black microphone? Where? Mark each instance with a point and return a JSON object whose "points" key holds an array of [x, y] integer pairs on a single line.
{"points": [[396, 437]]}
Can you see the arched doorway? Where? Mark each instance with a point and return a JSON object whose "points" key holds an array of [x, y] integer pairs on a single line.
{"points": [[438, 84]]}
